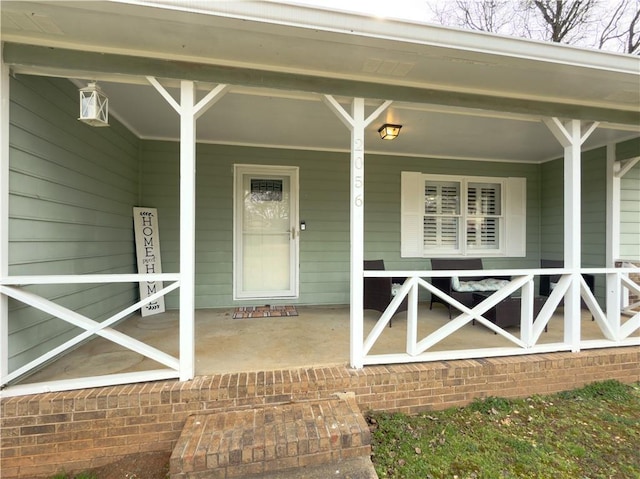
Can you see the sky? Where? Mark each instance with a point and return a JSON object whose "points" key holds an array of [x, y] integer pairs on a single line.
{"points": [[404, 9], [421, 11]]}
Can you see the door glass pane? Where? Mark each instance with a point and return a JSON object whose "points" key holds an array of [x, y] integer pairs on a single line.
{"points": [[266, 234]]}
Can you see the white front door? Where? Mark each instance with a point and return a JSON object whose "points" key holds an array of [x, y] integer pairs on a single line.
{"points": [[266, 232]]}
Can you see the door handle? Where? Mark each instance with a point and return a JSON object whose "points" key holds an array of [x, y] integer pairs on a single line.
{"points": [[293, 232]]}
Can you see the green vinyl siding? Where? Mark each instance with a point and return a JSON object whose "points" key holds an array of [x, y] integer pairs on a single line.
{"points": [[593, 208], [552, 214], [72, 188], [324, 206], [594, 196], [630, 202]]}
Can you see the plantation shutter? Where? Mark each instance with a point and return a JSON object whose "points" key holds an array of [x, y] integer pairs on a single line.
{"points": [[516, 217], [441, 215], [411, 214], [484, 209]]}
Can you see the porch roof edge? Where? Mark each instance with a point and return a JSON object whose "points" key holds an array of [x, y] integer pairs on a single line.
{"points": [[330, 19], [33, 59]]}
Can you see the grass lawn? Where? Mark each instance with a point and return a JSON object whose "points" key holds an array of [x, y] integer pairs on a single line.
{"points": [[592, 432]]}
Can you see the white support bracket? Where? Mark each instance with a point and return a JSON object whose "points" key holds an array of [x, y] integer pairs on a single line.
{"points": [[586, 133], [566, 133], [624, 166], [198, 109]]}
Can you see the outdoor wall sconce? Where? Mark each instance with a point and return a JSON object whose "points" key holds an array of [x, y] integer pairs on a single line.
{"points": [[389, 131], [94, 106]]}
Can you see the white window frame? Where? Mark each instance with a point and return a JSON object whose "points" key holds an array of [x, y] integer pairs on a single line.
{"points": [[512, 219]]}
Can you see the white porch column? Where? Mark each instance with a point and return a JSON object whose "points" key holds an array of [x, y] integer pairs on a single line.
{"points": [[356, 123], [571, 137], [572, 234], [189, 112], [187, 230], [613, 293], [357, 233], [4, 217], [613, 207]]}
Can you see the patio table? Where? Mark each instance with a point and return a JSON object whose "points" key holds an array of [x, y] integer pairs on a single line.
{"points": [[507, 312]]}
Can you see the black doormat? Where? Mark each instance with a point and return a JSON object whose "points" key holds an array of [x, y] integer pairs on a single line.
{"points": [[266, 311]]}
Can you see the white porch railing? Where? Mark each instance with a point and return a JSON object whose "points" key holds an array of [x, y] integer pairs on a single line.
{"points": [[13, 287], [616, 330]]}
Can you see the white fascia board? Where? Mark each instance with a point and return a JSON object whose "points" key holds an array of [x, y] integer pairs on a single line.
{"points": [[406, 31]]}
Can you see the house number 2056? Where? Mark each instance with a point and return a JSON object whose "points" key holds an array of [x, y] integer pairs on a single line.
{"points": [[358, 164], [358, 185]]}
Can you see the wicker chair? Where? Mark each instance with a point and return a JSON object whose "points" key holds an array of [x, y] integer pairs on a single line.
{"points": [[444, 284], [377, 291]]}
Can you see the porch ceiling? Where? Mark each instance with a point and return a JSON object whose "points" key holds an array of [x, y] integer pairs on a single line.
{"points": [[461, 94]]}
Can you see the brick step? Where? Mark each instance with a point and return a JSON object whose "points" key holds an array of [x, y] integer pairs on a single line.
{"points": [[300, 439]]}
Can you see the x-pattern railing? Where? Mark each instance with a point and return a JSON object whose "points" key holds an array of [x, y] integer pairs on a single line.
{"points": [[14, 287], [531, 327], [614, 329]]}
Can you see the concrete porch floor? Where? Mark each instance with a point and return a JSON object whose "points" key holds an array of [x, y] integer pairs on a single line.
{"points": [[319, 336]]}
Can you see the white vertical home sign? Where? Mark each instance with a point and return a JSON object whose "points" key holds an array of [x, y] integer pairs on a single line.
{"points": [[145, 222]]}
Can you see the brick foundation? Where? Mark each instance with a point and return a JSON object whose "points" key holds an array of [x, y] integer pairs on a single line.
{"points": [[78, 430]]}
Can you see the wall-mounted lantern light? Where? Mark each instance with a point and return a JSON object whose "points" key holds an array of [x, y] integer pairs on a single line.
{"points": [[389, 131], [94, 106]]}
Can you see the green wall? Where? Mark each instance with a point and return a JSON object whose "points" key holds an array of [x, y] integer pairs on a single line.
{"points": [[594, 197], [72, 188], [324, 206], [630, 202], [593, 207]]}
